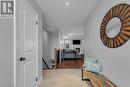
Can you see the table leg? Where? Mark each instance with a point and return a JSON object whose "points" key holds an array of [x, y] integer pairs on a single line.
{"points": [[84, 79]]}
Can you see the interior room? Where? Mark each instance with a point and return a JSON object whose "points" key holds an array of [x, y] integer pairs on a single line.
{"points": [[64, 43]]}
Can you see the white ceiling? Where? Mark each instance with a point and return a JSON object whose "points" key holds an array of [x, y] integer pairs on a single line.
{"points": [[60, 16]]}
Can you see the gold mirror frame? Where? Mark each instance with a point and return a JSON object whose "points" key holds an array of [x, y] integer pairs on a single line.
{"points": [[121, 11]]}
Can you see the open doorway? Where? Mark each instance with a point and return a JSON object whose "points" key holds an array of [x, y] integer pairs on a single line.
{"points": [[71, 53]]}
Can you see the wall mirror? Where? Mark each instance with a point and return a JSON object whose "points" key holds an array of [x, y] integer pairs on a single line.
{"points": [[115, 27]]}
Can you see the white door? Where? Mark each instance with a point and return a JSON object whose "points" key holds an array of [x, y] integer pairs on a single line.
{"points": [[27, 45]]}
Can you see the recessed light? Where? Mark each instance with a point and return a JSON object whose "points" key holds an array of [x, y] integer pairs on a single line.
{"points": [[67, 3]]}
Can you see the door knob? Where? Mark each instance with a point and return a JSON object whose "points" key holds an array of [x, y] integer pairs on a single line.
{"points": [[22, 59]]}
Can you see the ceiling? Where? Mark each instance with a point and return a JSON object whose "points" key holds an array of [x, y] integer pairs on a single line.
{"points": [[66, 17]]}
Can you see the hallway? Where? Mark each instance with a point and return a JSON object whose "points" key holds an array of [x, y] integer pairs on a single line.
{"points": [[63, 78], [92, 35]]}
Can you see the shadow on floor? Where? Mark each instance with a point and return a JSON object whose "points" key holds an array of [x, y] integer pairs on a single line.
{"points": [[89, 84]]}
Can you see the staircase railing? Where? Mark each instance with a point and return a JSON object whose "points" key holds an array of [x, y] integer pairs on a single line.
{"points": [[45, 63]]}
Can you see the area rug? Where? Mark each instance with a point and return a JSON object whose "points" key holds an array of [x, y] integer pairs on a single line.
{"points": [[62, 78]]}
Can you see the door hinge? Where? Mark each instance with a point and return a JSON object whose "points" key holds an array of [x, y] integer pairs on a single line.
{"points": [[36, 79], [36, 22]]}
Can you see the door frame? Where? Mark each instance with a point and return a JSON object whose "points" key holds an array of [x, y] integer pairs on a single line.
{"points": [[37, 30], [16, 43]]}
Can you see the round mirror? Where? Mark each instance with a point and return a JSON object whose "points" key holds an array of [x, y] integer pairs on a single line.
{"points": [[113, 27]]}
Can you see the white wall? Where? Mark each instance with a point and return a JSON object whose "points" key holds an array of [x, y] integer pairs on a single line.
{"points": [[6, 52], [46, 47], [54, 41], [50, 41], [76, 30], [116, 61]]}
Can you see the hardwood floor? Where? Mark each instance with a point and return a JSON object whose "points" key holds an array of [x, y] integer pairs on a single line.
{"points": [[71, 64]]}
